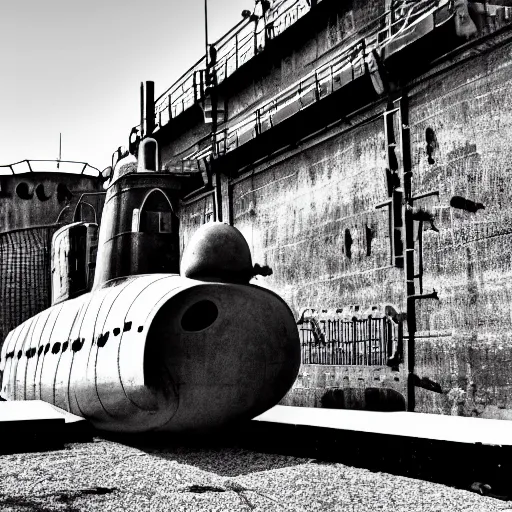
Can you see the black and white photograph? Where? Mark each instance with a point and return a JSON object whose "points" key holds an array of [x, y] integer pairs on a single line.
{"points": [[254, 255]]}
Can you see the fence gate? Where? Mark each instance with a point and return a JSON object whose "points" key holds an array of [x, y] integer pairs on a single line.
{"points": [[348, 338]]}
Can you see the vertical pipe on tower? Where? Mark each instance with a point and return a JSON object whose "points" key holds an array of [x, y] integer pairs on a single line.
{"points": [[142, 110], [150, 108]]}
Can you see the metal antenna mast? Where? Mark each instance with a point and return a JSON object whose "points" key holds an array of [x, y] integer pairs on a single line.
{"points": [[60, 150]]}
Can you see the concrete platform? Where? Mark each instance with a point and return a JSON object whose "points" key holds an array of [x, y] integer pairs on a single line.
{"points": [[455, 429], [34, 410], [34, 425], [452, 450]]}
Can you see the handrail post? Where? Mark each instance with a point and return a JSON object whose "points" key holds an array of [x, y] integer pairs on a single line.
{"points": [[236, 51]]}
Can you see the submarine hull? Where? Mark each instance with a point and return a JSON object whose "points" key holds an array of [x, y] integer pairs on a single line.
{"points": [[156, 352]]}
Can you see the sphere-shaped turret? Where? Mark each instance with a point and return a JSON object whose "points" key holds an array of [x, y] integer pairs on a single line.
{"points": [[217, 252]]}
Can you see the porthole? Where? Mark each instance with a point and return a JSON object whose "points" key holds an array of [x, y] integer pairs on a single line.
{"points": [[199, 316], [102, 340], [40, 193], [76, 345], [63, 193], [23, 191]]}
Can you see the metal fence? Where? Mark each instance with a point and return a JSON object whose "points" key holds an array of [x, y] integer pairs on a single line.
{"points": [[358, 341], [25, 276]]}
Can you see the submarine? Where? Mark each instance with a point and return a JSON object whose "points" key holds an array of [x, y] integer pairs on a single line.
{"points": [[135, 342]]}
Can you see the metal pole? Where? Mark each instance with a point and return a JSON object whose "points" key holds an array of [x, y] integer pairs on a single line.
{"points": [[149, 107], [60, 150], [206, 39], [142, 110], [408, 236]]}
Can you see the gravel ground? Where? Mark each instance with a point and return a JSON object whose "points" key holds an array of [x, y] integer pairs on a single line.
{"points": [[107, 475]]}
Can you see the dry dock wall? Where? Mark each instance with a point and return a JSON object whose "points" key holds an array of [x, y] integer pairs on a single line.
{"points": [[309, 211], [465, 339]]}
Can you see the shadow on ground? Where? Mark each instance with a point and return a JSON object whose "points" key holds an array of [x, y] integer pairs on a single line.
{"points": [[245, 449], [224, 452]]}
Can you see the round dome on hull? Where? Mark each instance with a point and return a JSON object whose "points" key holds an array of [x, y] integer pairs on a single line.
{"points": [[217, 252]]}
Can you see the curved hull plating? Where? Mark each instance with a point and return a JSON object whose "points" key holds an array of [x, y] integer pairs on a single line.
{"points": [[156, 352]]}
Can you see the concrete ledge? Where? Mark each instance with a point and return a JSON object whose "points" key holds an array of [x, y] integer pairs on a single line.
{"points": [[451, 450], [456, 429], [35, 425]]}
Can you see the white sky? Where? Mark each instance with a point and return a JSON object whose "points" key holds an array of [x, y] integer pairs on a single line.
{"points": [[75, 66]]}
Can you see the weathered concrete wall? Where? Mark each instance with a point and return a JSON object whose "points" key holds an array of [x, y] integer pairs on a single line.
{"points": [[307, 217], [466, 343], [194, 214], [58, 190], [28, 200], [310, 214], [188, 140]]}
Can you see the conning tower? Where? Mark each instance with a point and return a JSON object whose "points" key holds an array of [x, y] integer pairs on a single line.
{"points": [[140, 230]]}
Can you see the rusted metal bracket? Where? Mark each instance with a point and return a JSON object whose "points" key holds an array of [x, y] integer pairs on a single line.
{"points": [[382, 205], [426, 383], [422, 296], [426, 194]]}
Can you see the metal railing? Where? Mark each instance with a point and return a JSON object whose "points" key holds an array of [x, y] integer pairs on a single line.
{"points": [[65, 166], [405, 22], [248, 38], [233, 50], [188, 89], [356, 341], [352, 62], [344, 68]]}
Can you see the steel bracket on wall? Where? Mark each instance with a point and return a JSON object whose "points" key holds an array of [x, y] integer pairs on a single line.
{"points": [[402, 217]]}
